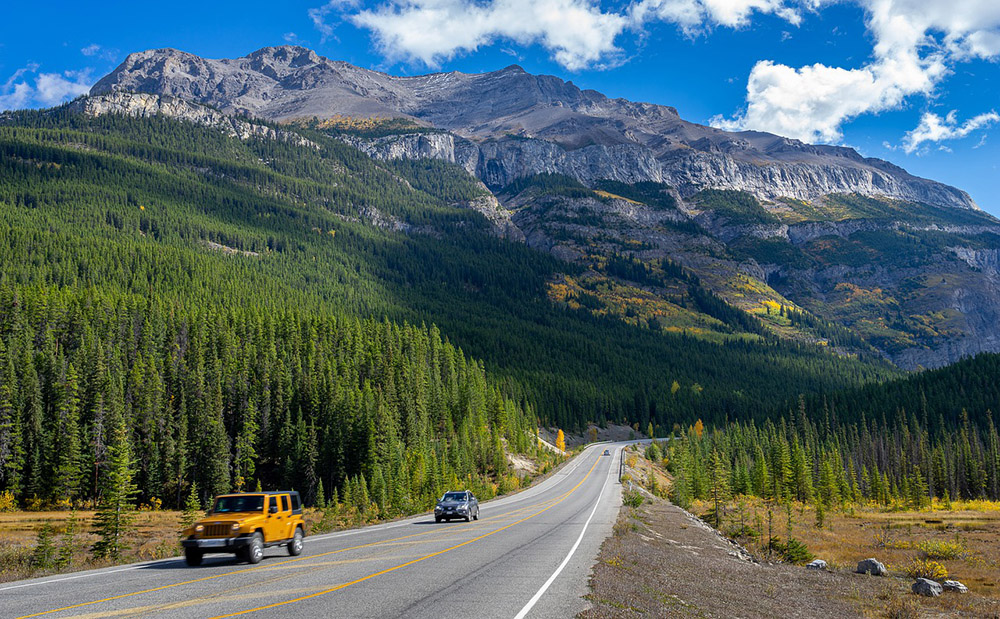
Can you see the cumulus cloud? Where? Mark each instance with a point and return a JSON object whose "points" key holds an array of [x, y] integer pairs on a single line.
{"points": [[48, 89], [577, 33], [916, 44], [694, 15], [933, 128]]}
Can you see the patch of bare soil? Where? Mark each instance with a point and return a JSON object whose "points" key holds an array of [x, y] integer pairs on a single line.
{"points": [[663, 562]]}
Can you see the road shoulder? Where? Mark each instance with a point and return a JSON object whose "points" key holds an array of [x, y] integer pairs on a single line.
{"points": [[662, 562]]}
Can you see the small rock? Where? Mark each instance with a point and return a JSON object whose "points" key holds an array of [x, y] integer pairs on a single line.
{"points": [[816, 564], [954, 585], [927, 587], [871, 566]]}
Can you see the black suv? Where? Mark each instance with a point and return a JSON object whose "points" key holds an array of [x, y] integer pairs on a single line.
{"points": [[461, 504]]}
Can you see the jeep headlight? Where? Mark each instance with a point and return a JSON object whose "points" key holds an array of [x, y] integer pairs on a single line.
{"points": [[199, 528], [236, 526]]}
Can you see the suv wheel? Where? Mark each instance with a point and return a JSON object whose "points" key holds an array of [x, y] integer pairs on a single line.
{"points": [[192, 556], [476, 517], [255, 551], [295, 546]]}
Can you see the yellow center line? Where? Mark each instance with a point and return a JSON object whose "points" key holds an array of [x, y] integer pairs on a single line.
{"points": [[446, 529], [408, 563]]}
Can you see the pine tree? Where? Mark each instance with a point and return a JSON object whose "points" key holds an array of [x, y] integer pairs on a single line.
{"points": [[719, 484], [114, 519], [191, 507], [67, 543], [320, 496], [43, 556]]}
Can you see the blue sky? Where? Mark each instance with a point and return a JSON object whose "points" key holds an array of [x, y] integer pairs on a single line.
{"points": [[912, 81]]}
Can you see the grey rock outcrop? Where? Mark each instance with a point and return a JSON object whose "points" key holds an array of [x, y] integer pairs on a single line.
{"points": [[145, 105], [524, 124], [871, 566], [954, 586], [926, 587]]}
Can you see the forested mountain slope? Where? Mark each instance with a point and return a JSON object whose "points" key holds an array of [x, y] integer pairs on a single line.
{"points": [[212, 291], [823, 245]]}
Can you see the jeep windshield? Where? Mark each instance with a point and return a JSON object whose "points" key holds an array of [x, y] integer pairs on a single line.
{"points": [[231, 504]]}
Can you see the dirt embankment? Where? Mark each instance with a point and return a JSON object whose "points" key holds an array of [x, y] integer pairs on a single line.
{"points": [[663, 562]]}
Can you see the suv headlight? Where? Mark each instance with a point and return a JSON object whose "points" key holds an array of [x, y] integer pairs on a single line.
{"points": [[199, 528], [236, 526]]}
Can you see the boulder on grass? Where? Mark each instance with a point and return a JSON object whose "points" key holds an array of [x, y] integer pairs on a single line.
{"points": [[871, 566], [926, 586], [816, 564], [954, 585]]}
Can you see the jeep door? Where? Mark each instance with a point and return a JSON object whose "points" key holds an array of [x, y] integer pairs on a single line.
{"points": [[274, 526], [286, 517]]}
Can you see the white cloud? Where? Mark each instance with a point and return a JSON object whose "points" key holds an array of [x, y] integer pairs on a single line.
{"points": [[576, 32], [933, 128], [694, 15], [103, 53], [916, 44], [318, 15], [49, 88]]}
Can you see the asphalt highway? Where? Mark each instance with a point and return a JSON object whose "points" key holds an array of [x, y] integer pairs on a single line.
{"points": [[528, 555]]}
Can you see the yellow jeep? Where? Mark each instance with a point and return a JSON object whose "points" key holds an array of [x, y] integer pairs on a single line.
{"points": [[245, 524]]}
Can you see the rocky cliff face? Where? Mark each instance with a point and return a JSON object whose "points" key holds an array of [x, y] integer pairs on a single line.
{"points": [[516, 124], [144, 105]]}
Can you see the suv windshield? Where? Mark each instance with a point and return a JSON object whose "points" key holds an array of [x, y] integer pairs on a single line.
{"points": [[248, 503], [453, 496]]}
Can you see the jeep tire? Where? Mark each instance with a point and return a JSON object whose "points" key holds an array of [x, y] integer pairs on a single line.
{"points": [[255, 551], [295, 545], [193, 556]]}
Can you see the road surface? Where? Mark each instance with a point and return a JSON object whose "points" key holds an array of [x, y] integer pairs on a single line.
{"points": [[528, 555]]}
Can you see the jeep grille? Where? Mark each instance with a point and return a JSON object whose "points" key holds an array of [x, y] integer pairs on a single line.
{"points": [[217, 530]]}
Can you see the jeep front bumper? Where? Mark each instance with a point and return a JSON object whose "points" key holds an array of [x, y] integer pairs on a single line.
{"points": [[217, 544]]}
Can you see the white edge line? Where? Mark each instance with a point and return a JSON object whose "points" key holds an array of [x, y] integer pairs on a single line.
{"points": [[538, 595]]}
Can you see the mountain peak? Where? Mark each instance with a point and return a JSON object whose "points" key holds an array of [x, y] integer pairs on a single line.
{"points": [[577, 132]]}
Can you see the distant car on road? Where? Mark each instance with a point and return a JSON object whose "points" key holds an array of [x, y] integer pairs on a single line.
{"points": [[245, 524], [607, 453], [461, 504]]}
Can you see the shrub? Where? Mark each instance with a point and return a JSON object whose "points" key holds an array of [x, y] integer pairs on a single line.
{"points": [[792, 552], [7, 501], [925, 568], [943, 550], [632, 499]]}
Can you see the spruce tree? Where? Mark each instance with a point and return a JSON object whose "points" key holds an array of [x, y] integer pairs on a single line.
{"points": [[43, 556], [192, 507], [115, 516], [67, 543]]}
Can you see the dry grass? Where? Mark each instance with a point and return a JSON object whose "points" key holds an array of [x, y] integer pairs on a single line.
{"points": [[156, 537], [962, 541]]}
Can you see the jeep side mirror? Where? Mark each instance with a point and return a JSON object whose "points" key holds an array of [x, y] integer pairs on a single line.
{"points": [[273, 509]]}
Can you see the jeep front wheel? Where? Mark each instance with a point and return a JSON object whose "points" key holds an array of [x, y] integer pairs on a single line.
{"points": [[255, 551], [295, 546], [192, 556]]}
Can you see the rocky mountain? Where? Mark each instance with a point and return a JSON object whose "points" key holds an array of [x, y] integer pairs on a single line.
{"points": [[811, 243], [509, 124]]}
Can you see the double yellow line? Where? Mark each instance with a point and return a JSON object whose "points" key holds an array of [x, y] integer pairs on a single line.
{"points": [[414, 561]]}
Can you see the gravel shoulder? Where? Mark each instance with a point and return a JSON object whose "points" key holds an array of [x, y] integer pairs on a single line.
{"points": [[663, 562]]}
